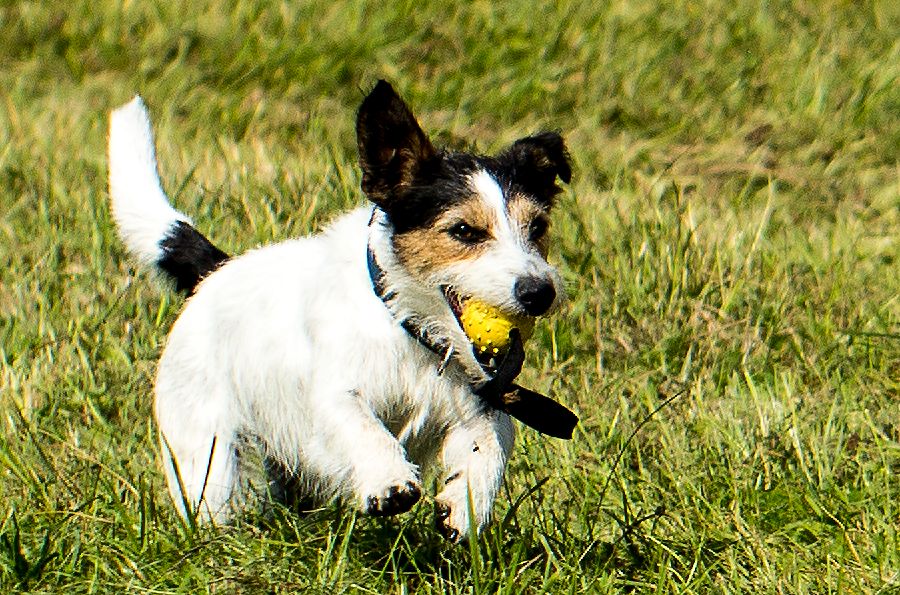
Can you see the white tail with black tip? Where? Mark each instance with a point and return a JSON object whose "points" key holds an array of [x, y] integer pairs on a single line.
{"points": [[151, 228]]}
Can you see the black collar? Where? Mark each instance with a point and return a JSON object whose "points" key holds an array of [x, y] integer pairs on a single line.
{"points": [[376, 274]]}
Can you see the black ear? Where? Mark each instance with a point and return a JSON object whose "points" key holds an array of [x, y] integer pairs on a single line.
{"points": [[392, 146], [538, 160]]}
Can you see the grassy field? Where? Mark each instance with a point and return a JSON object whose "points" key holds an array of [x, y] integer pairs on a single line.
{"points": [[730, 243]]}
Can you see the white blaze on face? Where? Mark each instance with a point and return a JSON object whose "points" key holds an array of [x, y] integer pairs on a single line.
{"points": [[490, 192], [504, 258]]}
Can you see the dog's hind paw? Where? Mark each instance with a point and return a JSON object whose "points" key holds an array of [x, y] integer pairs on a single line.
{"points": [[394, 500]]}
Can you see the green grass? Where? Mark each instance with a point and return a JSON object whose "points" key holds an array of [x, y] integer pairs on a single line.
{"points": [[730, 245]]}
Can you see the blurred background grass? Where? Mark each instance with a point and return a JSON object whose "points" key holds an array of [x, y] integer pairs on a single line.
{"points": [[730, 242]]}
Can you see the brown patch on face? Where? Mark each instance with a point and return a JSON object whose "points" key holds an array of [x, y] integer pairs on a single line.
{"points": [[524, 212], [422, 251]]}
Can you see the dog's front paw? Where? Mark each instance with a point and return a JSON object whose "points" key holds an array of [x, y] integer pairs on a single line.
{"points": [[394, 500], [444, 523], [455, 505]]}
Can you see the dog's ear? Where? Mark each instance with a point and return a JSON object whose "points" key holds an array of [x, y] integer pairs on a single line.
{"points": [[537, 161], [392, 146]]}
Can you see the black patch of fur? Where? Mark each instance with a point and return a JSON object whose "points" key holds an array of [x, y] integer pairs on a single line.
{"points": [[532, 165], [392, 146], [439, 185], [413, 183], [187, 256]]}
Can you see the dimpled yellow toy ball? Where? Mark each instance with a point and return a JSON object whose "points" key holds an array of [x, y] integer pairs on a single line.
{"points": [[488, 327]]}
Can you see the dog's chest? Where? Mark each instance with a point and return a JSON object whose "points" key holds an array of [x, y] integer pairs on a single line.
{"points": [[414, 399], [422, 407]]}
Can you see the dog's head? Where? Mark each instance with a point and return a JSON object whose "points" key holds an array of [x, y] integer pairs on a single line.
{"points": [[469, 226]]}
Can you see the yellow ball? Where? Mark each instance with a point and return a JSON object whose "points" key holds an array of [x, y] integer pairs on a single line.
{"points": [[488, 327]]}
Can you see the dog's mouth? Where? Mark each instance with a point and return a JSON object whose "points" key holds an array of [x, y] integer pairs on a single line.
{"points": [[455, 301]]}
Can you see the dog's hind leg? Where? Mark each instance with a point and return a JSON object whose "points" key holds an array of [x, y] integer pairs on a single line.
{"points": [[202, 472], [474, 459], [198, 439]]}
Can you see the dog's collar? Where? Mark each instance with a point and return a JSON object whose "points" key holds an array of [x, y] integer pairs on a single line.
{"points": [[441, 347], [500, 392]]}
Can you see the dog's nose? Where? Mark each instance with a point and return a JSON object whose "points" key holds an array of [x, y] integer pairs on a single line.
{"points": [[535, 294]]}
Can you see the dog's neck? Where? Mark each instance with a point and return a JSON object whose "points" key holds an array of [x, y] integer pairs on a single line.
{"points": [[419, 308]]}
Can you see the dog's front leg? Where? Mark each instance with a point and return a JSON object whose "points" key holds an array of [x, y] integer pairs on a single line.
{"points": [[354, 452], [474, 459]]}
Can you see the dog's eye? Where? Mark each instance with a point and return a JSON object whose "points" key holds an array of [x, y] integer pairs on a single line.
{"points": [[537, 228], [467, 234]]}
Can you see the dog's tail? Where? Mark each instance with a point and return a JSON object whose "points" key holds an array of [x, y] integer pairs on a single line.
{"points": [[154, 232]]}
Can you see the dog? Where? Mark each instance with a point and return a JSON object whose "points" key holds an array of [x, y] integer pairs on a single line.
{"points": [[342, 354]]}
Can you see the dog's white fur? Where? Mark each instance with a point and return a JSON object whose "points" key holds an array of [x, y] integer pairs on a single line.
{"points": [[288, 343], [139, 205]]}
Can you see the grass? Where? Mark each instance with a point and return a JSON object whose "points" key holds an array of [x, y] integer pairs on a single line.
{"points": [[730, 245]]}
